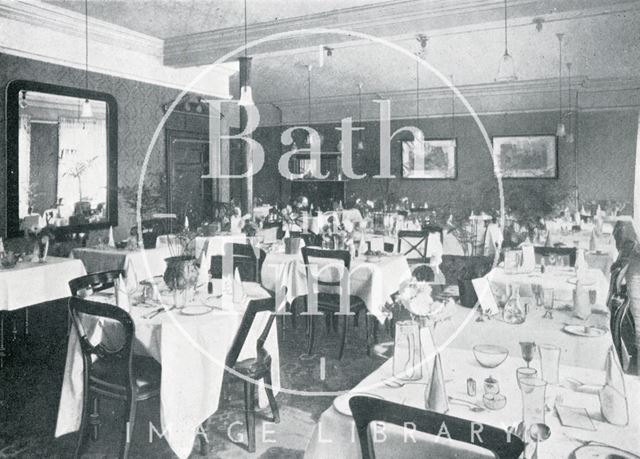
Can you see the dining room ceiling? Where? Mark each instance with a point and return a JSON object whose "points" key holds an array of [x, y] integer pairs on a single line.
{"points": [[171, 18], [465, 41]]}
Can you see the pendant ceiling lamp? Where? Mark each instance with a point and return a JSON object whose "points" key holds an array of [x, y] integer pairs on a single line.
{"points": [[418, 137], [246, 95], [360, 145], [310, 138], [560, 129], [507, 68], [87, 111], [570, 137]]}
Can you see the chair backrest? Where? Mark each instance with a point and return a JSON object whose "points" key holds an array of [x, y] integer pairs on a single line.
{"points": [[460, 432], [415, 242], [342, 256], [253, 308], [434, 229], [244, 260], [95, 282], [623, 330], [114, 349], [616, 282], [308, 238], [553, 255], [154, 227]]}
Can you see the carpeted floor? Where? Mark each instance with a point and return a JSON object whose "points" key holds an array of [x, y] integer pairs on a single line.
{"points": [[31, 380]]}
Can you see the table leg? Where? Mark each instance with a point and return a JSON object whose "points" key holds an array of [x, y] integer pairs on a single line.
{"points": [[26, 321], [3, 353], [94, 420], [14, 331]]}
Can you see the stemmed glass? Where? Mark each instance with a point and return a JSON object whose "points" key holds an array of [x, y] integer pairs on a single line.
{"points": [[527, 348]]}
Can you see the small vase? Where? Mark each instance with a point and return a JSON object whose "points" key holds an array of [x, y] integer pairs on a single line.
{"points": [[181, 272]]}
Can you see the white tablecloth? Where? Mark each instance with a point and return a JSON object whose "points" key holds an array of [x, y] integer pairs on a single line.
{"points": [[335, 435], [557, 278], [32, 283], [146, 263], [192, 351], [373, 282], [605, 243]]}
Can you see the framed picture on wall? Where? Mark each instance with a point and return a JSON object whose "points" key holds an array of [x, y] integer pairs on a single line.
{"points": [[533, 156], [430, 159]]}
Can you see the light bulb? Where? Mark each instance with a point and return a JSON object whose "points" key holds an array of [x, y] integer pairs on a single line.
{"points": [[507, 69], [246, 96], [87, 111]]}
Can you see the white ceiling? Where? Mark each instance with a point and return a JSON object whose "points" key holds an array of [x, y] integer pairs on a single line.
{"points": [[602, 41], [170, 18]]}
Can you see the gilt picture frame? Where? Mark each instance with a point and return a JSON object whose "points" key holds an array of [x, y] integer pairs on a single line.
{"points": [[430, 159], [532, 156]]}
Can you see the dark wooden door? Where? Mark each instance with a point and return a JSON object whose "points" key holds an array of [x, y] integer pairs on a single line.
{"points": [[187, 162]]}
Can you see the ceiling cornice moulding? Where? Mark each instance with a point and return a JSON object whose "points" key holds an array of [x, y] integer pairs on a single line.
{"points": [[381, 20]]}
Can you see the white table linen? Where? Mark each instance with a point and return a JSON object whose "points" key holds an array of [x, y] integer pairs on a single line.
{"points": [[560, 279], [373, 282], [145, 263], [31, 283], [192, 351], [335, 432]]}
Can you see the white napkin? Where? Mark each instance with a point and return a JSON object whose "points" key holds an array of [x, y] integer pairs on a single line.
{"points": [[377, 243], [112, 242], [485, 296], [613, 395], [186, 222], [437, 400], [1, 246], [131, 282], [607, 228], [205, 266], [238, 290], [592, 241], [122, 297], [528, 258], [577, 218]]}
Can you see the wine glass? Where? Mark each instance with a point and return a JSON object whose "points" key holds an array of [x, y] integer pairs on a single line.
{"points": [[527, 348], [548, 295]]}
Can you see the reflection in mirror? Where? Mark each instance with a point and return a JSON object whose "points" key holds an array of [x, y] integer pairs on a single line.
{"points": [[62, 159]]}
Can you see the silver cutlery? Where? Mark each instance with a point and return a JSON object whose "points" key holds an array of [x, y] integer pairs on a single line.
{"points": [[473, 406]]}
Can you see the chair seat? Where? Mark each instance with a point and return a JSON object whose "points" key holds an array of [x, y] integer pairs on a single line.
{"points": [[254, 368], [108, 380], [331, 302]]}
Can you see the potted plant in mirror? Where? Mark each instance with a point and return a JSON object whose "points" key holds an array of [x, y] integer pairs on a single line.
{"points": [[181, 270]]}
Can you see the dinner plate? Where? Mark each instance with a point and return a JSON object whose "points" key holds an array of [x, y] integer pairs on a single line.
{"points": [[585, 281], [584, 330], [595, 451], [341, 403], [195, 310]]}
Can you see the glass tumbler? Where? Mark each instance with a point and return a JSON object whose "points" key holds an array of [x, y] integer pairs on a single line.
{"points": [[550, 362]]}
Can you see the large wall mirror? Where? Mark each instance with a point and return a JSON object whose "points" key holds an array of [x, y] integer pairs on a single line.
{"points": [[61, 157]]}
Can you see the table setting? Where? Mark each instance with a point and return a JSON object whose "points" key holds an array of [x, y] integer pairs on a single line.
{"points": [[187, 330]]}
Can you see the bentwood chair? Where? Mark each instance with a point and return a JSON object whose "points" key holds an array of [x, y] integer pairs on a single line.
{"points": [[109, 367], [252, 370], [244, 260], [553, 255], [415, 242], [461, 442], [329, 302], [623, 330], [95, 282]]}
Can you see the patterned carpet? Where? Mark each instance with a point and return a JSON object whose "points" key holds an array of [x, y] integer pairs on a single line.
{"points": [[31, 380]]}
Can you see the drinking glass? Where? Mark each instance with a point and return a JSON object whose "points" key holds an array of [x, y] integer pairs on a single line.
{"points": [[407, 354], [533, 400], [550, 362], [527, 348], [547, 300], [525, 372]]}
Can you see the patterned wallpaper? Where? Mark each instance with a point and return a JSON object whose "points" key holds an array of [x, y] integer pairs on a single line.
{"points": [[139, 112]]}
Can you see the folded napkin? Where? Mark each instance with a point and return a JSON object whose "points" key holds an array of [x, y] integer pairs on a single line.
{"points": [[131, 281], [122, 296], [613, 395], [238, 290], [437, 399]]}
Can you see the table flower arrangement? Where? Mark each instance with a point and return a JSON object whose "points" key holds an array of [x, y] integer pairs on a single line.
{"points": [[338, 234], [416, 297]]}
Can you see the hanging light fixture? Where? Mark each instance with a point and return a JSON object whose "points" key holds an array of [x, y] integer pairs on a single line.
{"points": [[23, 99], [87, 111], [310, 138], [570, 137], [246, 95], [360, 145], [560, 129], [418, 137], [507, 68]]}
